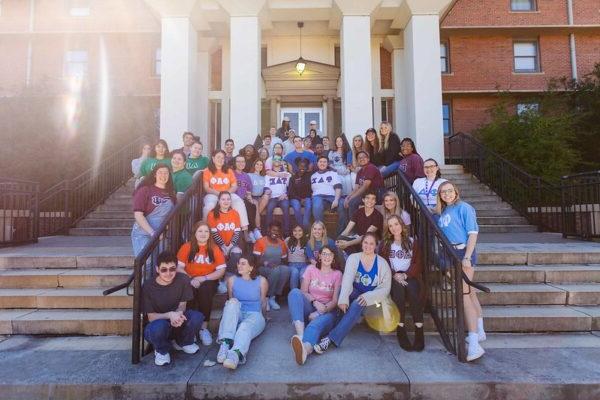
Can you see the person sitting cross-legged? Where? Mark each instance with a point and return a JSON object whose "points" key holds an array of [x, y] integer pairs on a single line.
{"points": [[164, 301], [365, 219], [368, 179], [366, 281], [315, 304]]}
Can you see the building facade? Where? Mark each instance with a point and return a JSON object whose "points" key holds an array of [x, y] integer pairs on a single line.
{"points": [[228, 68]]}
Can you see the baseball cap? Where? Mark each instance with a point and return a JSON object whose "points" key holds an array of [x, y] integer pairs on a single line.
{"points": [[287, 119], [313, 122]]}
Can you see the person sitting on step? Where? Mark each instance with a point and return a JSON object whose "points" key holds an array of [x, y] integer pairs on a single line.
{"points": [[327, 193], [316, 240], [297, 260], [365, 219], [402, 253], [203, 261], [243, 315], [271, 252], [300, 193], [182, 179], [224, 223], [164, 301], [366, 281], [277, 189], [315, 304], [196, 161], [159, 155]]}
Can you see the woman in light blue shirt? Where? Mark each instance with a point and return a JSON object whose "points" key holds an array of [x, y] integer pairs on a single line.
{"points": [[458, 222]]}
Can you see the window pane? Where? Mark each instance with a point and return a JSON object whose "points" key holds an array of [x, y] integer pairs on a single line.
{"points": [[294, 121], [525, 64], [522, 5], [443, 65], [527, 107], [443, 50], [311, 116], [446, 111], [446, 127], [525, 49]]}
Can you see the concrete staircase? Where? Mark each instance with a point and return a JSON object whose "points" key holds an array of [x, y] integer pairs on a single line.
{"points": [[493, 215]]}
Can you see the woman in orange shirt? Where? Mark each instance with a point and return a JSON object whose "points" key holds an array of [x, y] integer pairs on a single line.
{"points": [[204, 262], [225, 229], [217, 178]]}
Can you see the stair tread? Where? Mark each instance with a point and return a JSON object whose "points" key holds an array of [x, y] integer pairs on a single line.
{"points": [[64, 315], [88, 292]]}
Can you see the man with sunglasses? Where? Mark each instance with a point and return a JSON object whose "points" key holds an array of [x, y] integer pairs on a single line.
{"points": [[164, 301]]}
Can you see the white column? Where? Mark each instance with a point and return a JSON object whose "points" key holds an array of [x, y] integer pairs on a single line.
{"points": [[245, 78], [357, 112], [178, 79], [376, 81], [400, 104], [424, 85], [202, 111]]}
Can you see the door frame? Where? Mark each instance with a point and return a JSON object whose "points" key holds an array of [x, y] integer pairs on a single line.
{"points": [[302, 111]]}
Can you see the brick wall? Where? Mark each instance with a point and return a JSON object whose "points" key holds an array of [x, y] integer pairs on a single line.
{"points": [[486, 63], [586, 12], [588, 52], [498, 13], [385, 67], [470, 112]]}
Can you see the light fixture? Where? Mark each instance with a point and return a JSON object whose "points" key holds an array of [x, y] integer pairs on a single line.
{"points": [[301, 63]]}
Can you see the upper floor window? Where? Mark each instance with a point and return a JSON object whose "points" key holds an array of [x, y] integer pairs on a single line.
{"points": [[444, 60], [79, 8], [447, 119], [523, 108], [522, 5], [526, 57], [157, 61], [76, 62]]}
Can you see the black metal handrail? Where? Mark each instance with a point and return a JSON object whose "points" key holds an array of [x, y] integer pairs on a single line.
{"points": [[442, 269], [170, 235], [19, 203], [538, 200], [580, 199], [69, 201]]}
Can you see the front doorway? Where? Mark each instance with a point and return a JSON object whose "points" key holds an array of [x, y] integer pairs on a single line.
{"points": [[300, 118]]}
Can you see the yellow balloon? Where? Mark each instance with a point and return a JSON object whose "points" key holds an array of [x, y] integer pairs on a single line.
{"points": [[383, 317]]}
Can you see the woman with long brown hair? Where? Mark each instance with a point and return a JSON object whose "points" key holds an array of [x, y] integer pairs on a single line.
{"points": [[203, 261], [372, 145]]}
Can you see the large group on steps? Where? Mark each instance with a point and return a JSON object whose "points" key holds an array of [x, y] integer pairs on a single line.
{"points": [[238, 248]]}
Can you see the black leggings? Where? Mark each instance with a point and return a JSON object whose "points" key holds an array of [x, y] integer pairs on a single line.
{"points": [[203, 298], [413, 291]]}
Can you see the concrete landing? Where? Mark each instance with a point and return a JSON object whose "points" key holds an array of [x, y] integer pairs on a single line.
{"points": [[560, 366]]}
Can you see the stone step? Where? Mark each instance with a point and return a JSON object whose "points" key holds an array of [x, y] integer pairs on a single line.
{"points": [[64, 278], [537, 319], [110, 214], [116, 207], [550, 254], [106, 223], [480, 198], [538, 273], [65, 322], [452, 167], [506, 228], [505, 212], [119, 201], [501, 220], [100, 231], [541, 294], [79, 262], [88, 298], [491, 206]]}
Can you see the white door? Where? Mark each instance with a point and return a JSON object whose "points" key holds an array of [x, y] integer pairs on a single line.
{"points": [[300, 118]]}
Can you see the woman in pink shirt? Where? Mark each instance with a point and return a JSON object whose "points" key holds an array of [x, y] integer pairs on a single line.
{"points": [[315, 303]]}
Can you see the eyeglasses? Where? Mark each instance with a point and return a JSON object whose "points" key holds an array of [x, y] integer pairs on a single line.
{"points": [[164, 270], [326, 254], [447, 191]]}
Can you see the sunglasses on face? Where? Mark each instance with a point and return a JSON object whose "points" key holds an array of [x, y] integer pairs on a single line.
{"points": [[164, 270]]}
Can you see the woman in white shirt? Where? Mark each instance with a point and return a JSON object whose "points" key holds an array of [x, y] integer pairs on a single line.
{"points": [[427, 187]]}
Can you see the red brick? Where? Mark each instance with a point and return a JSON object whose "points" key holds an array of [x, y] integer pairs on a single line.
{"points": [[385, 67], [498, 13]]}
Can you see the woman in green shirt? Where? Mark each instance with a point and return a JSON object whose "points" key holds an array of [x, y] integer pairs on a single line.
{"points": [[196, 161], [182, 179], [160, 155]]}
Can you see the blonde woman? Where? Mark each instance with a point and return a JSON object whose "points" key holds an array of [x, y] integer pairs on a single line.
{"points": [[316, 241], [389, 150], [391, 206], [458, 221]]}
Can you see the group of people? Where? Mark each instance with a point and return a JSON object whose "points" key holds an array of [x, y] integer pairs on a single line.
{"points": [[239, 248]]}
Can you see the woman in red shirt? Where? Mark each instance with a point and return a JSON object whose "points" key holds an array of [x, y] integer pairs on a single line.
{"points": [[204, 262]]}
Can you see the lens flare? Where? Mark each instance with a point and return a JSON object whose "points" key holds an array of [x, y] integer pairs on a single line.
{"points": [[383, 317]]}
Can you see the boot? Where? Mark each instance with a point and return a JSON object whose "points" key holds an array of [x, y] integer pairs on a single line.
{"points": [[419, 339], [403, 338]]}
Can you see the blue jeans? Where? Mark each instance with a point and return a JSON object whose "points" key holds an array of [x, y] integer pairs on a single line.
{"points": [[285, 209], [296, 271], [160, 332], [302, 219], [301, 308], [319, 202], [348, 320], [390, 169]]}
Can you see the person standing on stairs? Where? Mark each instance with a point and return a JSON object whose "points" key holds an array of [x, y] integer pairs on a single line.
{"points": [[458, 221], [152, 202], [164, 300], [402, 253], [203, 261]]}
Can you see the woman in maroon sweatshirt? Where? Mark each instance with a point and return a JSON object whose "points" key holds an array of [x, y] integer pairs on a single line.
{"points": [[411, 164]]}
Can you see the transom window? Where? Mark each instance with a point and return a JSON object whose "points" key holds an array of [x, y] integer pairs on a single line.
{"points": [[445, 65], [526, 56], [522, 5], [79, 8]]}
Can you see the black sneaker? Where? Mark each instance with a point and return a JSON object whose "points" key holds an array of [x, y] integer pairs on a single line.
{"points": [[323, 345], [403, 339], [419, 339]]}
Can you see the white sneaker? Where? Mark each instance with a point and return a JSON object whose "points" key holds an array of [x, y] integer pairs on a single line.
{"points": [[222, 354], [481, 337], [222, 289], [205, 337], [257, 234], [273, 303], [475, 351], [161, 359], [187, 349], [231, 360]]}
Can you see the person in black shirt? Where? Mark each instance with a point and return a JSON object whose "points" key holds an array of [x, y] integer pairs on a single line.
{"points": [[299, 192], [164, 302]]}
